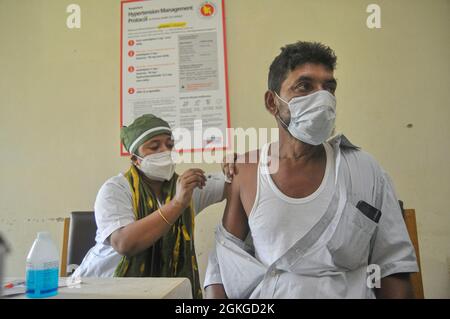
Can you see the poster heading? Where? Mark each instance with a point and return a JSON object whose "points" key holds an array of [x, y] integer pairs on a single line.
{"points": [[142, 15]]}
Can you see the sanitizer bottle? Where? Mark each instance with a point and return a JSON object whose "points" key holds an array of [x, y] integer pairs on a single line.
{"points": [[42, 268]]}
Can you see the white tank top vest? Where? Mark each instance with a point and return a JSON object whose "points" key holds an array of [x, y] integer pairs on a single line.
{"points": [[278, 221]]}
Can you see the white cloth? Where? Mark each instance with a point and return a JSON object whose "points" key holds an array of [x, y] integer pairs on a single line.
{"points": [[276, 220], [331, 260], [114, 209]]}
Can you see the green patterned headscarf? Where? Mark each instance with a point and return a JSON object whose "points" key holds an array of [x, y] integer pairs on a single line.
{"points": [[141, 130], [173, 255]]}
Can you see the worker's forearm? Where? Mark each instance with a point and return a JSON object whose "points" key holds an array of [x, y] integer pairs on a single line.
{"points": [[143, 233], [215, 291]]}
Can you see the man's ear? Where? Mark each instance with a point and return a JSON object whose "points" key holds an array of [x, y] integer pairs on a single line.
{"points": [[271, 106]]}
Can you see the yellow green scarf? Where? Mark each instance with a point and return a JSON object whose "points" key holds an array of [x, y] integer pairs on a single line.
{"points": [[173, 255]]}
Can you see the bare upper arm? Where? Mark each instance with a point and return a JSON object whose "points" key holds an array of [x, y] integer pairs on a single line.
{"points": [[241, 191], [234, 217]]}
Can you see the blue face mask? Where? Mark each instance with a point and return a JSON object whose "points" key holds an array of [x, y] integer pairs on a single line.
{"points": [[312, 117]]}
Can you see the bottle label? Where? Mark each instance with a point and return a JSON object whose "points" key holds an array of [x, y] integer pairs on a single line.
{"points": [[42, 282]]}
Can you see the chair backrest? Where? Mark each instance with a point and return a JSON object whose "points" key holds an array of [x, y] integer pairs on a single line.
{"points": [[79, 237], [3, 251], [409, 215]]}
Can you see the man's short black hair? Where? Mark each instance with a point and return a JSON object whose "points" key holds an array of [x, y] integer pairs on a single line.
{"points": [[296, 54]]}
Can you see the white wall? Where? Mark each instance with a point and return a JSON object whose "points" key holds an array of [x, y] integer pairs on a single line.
{"points": [[59, 105]]}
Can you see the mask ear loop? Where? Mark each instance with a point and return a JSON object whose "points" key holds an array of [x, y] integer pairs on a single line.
{"points": [[283, 123]]}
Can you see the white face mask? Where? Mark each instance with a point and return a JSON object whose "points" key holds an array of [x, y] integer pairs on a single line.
{"points": [[312, 117], [158, 166]]}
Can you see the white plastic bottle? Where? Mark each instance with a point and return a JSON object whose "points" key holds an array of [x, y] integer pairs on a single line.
{"points": [[42, 268]]}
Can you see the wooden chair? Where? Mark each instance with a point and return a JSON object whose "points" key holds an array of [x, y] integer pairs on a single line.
{"points": [[78, 238], [409, 215], [65, 243]]}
